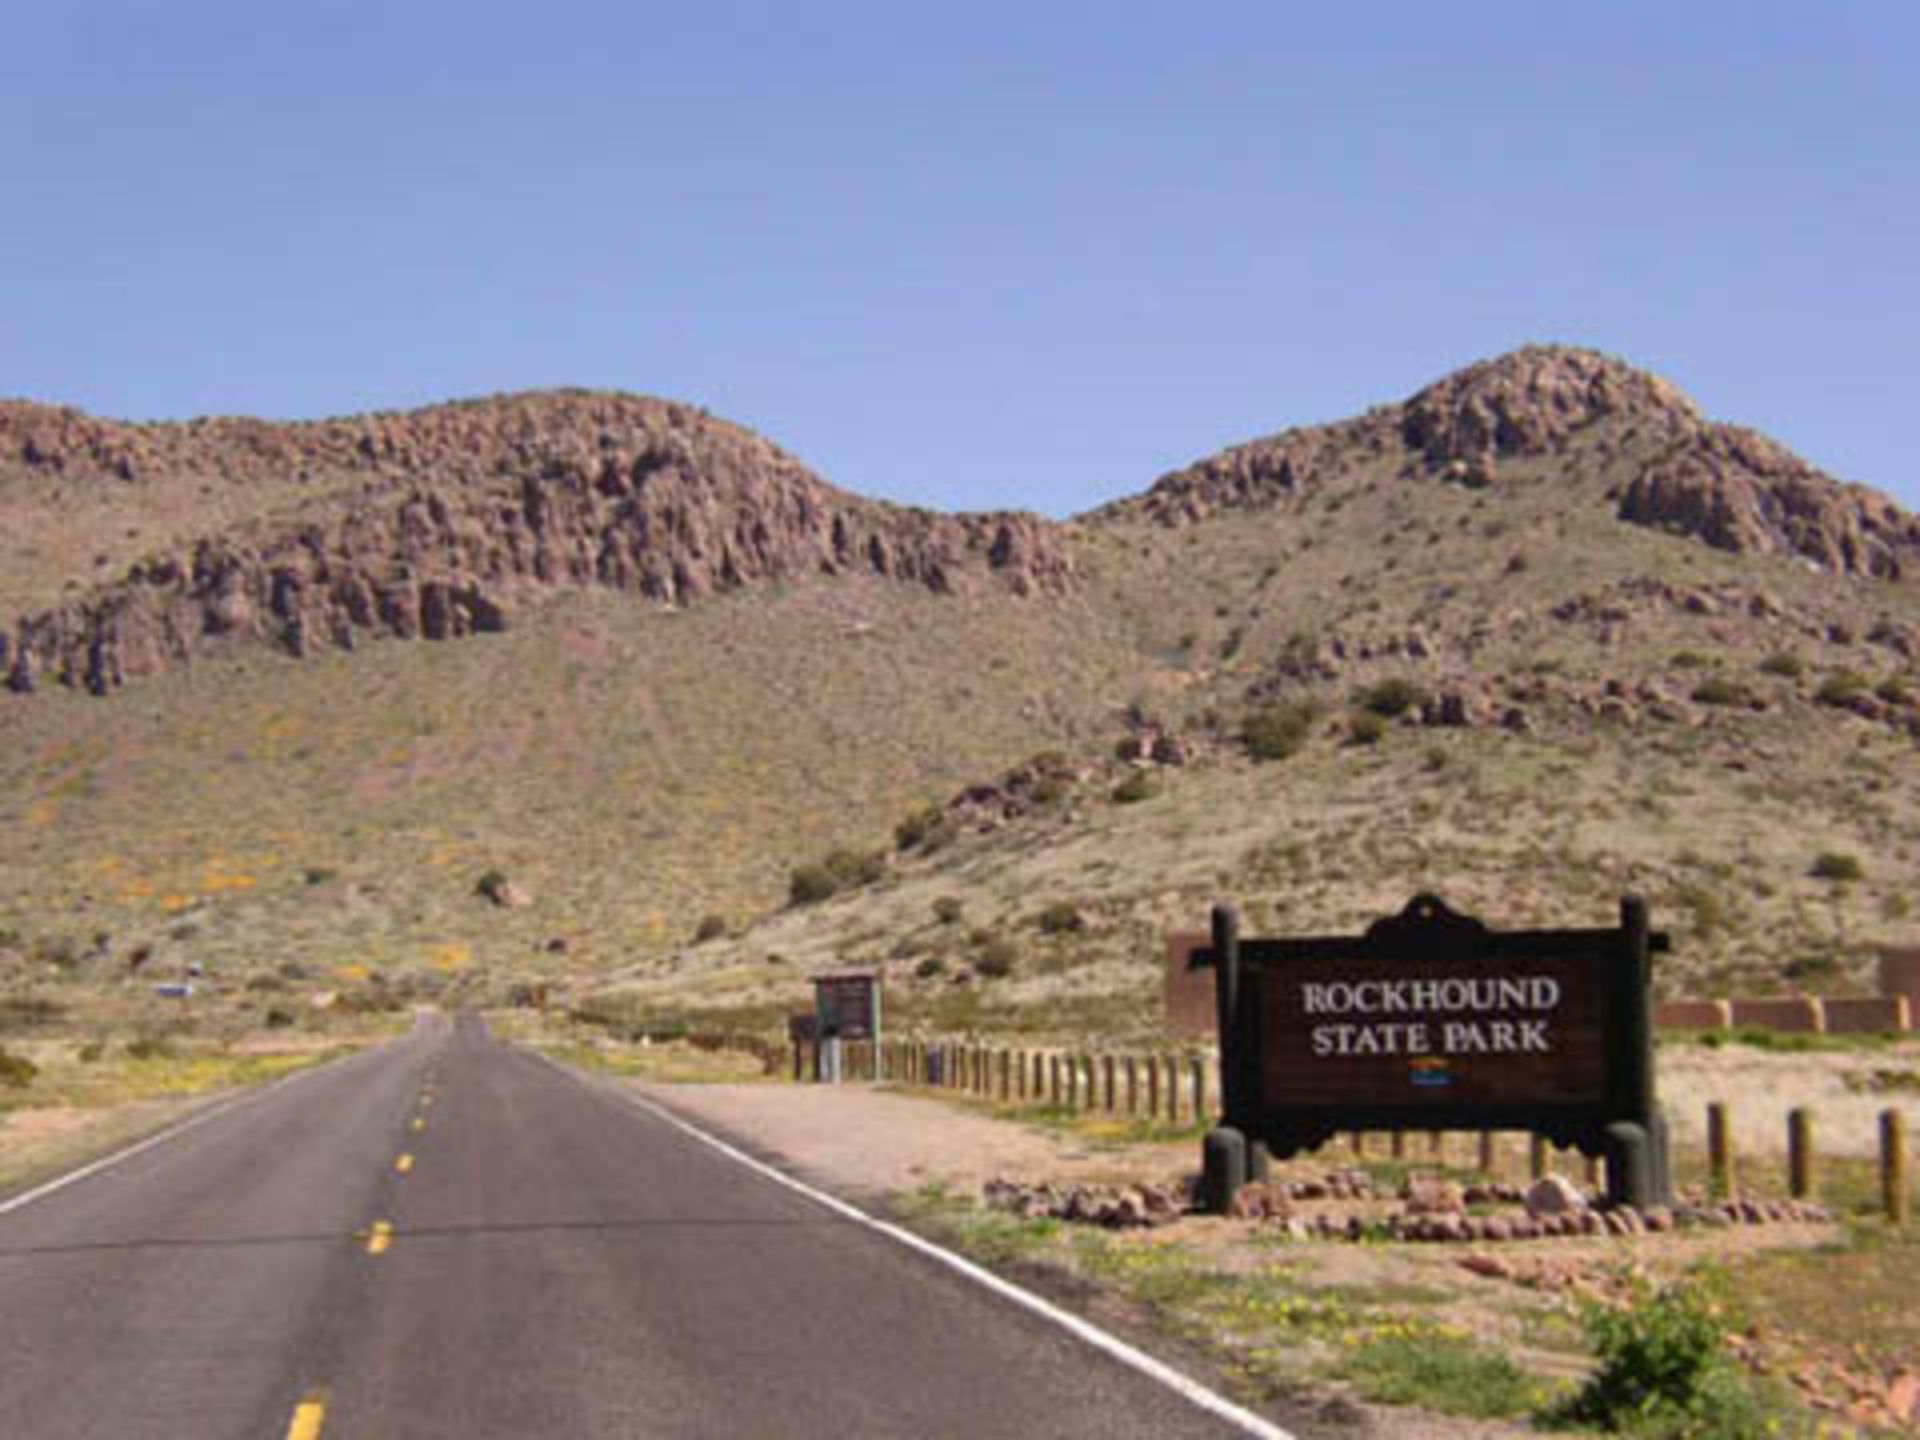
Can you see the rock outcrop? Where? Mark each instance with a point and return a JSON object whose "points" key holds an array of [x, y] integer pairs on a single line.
{"points": [[460, 514], [1720, 484]]}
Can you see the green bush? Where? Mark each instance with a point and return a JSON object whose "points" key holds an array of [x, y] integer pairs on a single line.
{"points": [[1440, 1373], [914, 831], [1836, 865], [1390, 697], [1365, 727], [1689, 660], [16, 1071], [929, 968], [1717, 690], [278, 1019], [996, 959], [150, 1047], [810, 884], [1136, 787], [711, 927], [1063, 917], [1663, 1371], [1842, 687], [1276, 732], [948, 909], [1785, 664]]}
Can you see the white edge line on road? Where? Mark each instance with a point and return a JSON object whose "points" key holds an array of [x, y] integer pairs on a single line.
{"points": [[179, 1127], [1110, 1345]]}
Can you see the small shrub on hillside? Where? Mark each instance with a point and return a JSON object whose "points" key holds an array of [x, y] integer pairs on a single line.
{"points": [[493, 885], [1717, 690], [912, 832], [16, 1071], [1893, 691], [1063, 917], [948, 909], [318, 875], [850, 867], [92, 1052], [996, 959], [1785, 664], [1836, 865], [1689, 660], [1276, 732], [1390, 697], [1364, 727], [150, 1047], [810, 884], [711, 927], [1804, 968], [930, 968], [1136, 787], [278, 1019], [1434, 759], [1842, 687]]}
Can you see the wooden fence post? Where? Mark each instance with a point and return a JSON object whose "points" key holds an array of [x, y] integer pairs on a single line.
{"points": [[1893, 1166], [1173, 1088], [1489, 1154], [1537, 1158], [1720, 1150], [1800, 1153], [1153, 1087], [1133, 1085], [1199, 1068], [1110, 1068], [1397, 1144]]}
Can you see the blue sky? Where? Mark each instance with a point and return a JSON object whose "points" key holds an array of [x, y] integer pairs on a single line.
{"points": [[964, 256]]}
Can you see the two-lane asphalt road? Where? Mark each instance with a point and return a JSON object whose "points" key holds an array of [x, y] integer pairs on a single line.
{"points": [[449, 1237]]}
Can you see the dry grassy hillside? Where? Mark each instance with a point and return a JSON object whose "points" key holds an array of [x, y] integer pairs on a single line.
{"points": [[1542, 634]]}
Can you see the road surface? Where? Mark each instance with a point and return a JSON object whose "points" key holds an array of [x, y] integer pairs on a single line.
{"points": [[450, 1237]]}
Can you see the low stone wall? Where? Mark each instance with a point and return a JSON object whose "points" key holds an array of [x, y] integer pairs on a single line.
{"points": [[1867, 1014], [1793, 1015]]}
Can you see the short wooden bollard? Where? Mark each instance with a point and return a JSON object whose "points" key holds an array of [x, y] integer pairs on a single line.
{"points": [[1133, 1085], [1358, 1142], [1800, 1153], [1153, 1087], [1173, 1089], [1537, 1161], [1893, 1166], [1200, 1110], [1397, 1144], [1053, 1081], [1489, 1157], [1109, 1076], [1720, 1150], [797, 1059]]}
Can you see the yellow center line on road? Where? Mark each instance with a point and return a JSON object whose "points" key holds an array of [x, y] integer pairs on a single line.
{"points": [[381, 1237], [403, 1164], [308, 1417]]}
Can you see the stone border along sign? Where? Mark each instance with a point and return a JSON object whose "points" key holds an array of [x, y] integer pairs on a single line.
{"points": [[847, 1006], [1433, 1021]]}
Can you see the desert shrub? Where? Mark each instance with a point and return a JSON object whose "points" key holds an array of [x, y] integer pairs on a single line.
{"points": [[493, 885], [1390, 697], [1689, 660], [318, 875], [1049, 789], [1364, 727], [1836, 865], [1434, 759], [1717, 690], [1062, 917], [1842, 687], [948, 909], [1811, 967], [16, 1071], [1893, 691], [810, 884], [1785, 664], [996, 959], [21, 1012], [912, 832], [150, 1047], [265, 984], [1136, 787], [1276, 732], [711, 927], [930, 968], [92, 1052], [1663, 1370], [850, 867], [278, 1018]]}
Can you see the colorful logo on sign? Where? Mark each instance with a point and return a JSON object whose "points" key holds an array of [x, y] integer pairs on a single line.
{"points": [[1431, 1072]]}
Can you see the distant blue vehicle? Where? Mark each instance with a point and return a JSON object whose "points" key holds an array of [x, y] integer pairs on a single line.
{"points": [[174, 990]]}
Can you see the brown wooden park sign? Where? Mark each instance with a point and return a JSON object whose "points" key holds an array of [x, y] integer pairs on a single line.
{"points": [[1431, 1020]]}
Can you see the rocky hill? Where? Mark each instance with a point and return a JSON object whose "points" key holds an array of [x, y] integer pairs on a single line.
{"points": [[451, 518], [1537, 634]]}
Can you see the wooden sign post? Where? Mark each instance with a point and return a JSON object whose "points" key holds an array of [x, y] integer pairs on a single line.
{"points": [[1430, 1020]]}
